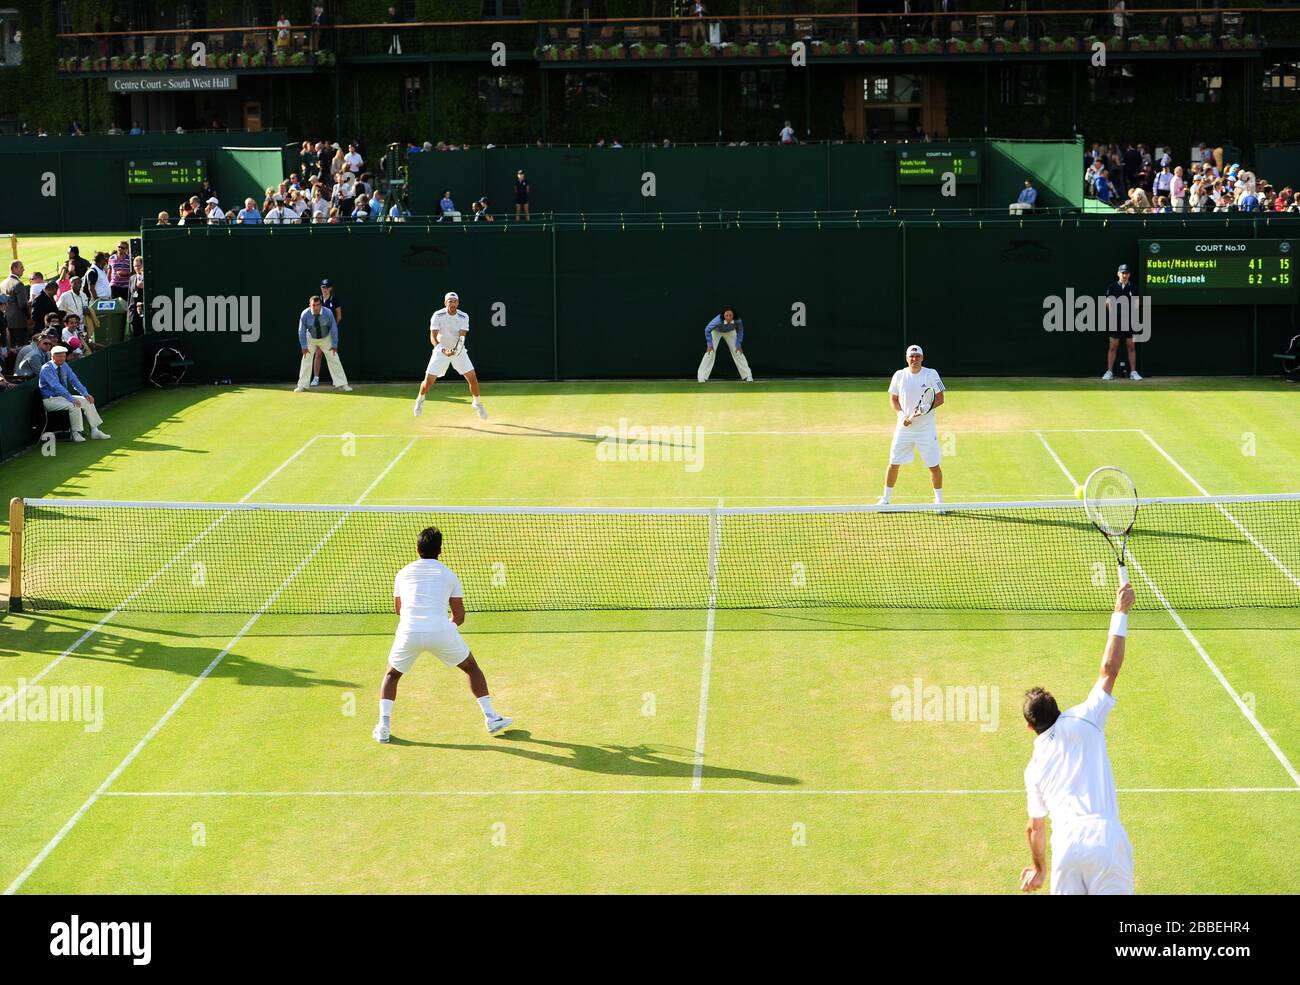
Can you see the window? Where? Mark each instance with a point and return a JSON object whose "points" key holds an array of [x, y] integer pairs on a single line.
{"points": [[411, 94], [501, 93], [11, 38], [489, 9], [891, 89], [1201, 82], [1112, 84], [1280, 82], [675, 90], [586, 90], [762, 89], [1024, 85]]}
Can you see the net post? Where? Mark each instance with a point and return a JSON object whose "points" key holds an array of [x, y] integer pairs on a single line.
{"points": [[16, 554]]}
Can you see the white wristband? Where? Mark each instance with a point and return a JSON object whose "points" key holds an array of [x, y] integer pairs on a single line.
{"points": [[1119, 624]]}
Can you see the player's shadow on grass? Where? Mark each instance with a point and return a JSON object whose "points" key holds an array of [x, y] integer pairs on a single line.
{"points": [[612, 760]]}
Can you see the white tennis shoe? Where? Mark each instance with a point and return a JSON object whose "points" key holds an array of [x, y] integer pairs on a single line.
{"points": [[498, 723], [479, 409], [419, 408], [1135, 376], [1108, 375], [380, 733], [315, 381]]}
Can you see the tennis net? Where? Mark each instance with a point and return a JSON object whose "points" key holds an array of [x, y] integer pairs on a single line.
{"points": [[1196, 552]]}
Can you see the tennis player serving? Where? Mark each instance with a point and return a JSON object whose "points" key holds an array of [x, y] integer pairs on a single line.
{"points": [[447, 330], [422, 593], [915, 393], [1069, 780]]}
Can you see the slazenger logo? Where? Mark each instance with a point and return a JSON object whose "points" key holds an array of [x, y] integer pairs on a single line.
{"points": [[181, 312], [77, 939]]}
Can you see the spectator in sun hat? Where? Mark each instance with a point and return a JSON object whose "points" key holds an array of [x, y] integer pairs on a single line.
{"points": [[61, 390], [214, 210]]}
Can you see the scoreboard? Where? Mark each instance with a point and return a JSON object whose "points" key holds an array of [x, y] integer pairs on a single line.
{"points": [[919, 166], [185, 174], [1219, 271]]}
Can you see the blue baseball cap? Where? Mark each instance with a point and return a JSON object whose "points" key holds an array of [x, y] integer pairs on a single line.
{"points": [[327, 283]]}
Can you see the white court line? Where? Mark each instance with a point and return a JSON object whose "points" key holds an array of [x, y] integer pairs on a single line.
{"points": [[811, 433], [130, 757], [1074, 483], [1231, 519], [715, 535], [1214, 669], [666, 792], [144, 585], [847, 498], [1196, 645]]}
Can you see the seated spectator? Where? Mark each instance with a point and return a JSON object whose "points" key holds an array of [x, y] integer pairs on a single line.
{"points": [[136, 130], [61, 390], [77, 338], [34, 355], [278, 214], [483, 210], [1104, 190], [44, 303], [1027, 199], [396, 213], [447, 208], [377, 205], [164, 219], [249, 215], [73, 301], [197, 215], [299, 205], [214, 211], [361, 211]]}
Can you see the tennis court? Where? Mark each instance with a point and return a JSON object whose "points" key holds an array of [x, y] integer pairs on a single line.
{"points": [[799, 748]]}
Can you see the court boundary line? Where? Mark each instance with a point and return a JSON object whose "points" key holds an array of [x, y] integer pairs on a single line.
{"points": [[138, 748], [668, 792], [117, 609], [701, 721], [1214, 668], [1231, 519], [1074, 483], [810, 433]]}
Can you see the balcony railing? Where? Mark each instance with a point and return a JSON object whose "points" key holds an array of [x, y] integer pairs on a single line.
{"points": [[975, 33]]}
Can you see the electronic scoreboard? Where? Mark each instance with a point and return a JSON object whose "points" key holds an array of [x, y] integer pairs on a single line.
{"points": [[1218, 271], [919, 166], [183, 174]]}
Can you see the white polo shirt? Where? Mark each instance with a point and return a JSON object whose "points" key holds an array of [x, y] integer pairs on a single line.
{"points": [[449, 326], [1068, 778], [424, 586], [907, 387]]}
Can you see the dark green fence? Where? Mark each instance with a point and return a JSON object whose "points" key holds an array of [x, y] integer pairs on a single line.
{"points": [[818, 298], [798, 178], [56, 184], [109, 374]]}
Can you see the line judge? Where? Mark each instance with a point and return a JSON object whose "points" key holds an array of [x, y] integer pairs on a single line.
{"points": [[317, 330]]}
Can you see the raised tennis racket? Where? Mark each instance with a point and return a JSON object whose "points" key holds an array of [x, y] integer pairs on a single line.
{"points": [[1111, 502], [923, 405]]}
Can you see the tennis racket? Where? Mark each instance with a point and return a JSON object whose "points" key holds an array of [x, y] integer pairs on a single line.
{"points": [[923, 405], [1111, 502]]}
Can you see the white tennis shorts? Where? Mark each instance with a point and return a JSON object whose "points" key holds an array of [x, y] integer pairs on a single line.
{"points": [[439, 362], [445, 644], [1092, 858], [908, 441]]}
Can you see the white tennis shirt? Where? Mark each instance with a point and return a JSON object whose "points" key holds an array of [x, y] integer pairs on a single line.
{"points": [[907, 387], [424, 586], [449, 327], [1069, 778]]}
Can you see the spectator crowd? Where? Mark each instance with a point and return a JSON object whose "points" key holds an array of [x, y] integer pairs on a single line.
{"points": [[1130, 178], [42, 313]]}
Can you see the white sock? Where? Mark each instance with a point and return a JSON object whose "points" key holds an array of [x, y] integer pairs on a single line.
{"points": [[419, 399], [476, 401], [385, 710], [485, 703], [889, 494], [938, 495]]}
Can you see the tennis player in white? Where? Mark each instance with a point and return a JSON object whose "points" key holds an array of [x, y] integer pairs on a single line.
{"points": [[422, 593], [447, 330], [1069, 780], [914, 432]]}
